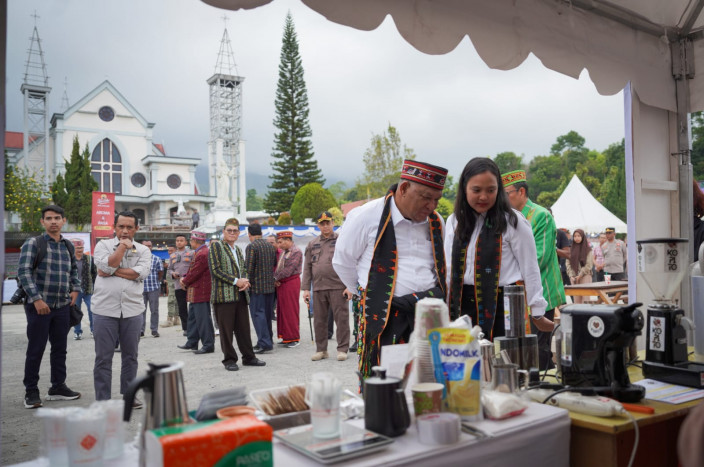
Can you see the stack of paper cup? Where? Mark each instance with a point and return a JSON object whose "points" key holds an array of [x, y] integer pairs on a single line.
{"points": [[431, 313]]}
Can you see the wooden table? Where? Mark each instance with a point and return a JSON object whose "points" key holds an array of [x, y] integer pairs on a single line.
{"points": [[601, 290], [609, 441]]}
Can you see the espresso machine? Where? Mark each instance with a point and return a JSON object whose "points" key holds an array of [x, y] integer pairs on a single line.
{"points": [[595, 340], [663, 263]]}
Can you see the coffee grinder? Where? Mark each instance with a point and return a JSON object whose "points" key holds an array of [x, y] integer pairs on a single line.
{"points": [[663, 263]]}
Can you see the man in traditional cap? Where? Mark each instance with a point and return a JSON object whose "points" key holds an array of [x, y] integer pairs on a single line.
{"points": [[329, 293], [230, 295], [261, 262], [287, 277], [392, 247], [198, 288], [615, 255], [545, 234]]}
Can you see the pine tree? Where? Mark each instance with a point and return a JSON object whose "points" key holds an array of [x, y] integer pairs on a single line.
{"points": [[74, 190], [294, 165]]}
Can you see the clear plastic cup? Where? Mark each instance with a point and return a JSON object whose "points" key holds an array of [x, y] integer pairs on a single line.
{"points": [[85, 437], [114, 427], [53, 434]]}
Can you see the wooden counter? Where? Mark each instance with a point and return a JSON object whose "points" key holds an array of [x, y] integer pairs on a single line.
{"points": [[599, 441]]}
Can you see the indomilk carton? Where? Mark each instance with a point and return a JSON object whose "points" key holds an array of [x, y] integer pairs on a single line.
{"points": [[240, 441]]}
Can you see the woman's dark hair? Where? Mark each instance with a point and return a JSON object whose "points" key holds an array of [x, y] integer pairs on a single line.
{"points": [[466, 216], [579, 251]]}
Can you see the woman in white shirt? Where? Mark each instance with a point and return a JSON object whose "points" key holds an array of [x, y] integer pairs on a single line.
{"points": [[489, 245]]}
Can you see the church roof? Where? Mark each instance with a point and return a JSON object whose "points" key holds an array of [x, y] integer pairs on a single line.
{"points": [[15, 139]]}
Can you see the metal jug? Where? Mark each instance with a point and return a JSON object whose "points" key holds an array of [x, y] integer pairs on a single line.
{"points": [[164, 399], [385, 406]]}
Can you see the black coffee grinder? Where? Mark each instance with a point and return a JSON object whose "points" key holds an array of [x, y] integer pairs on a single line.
{"points": [[595, 340], [663, 263]]}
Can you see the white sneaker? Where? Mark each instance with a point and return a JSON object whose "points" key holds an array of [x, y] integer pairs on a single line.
{"points": [[217, 332], [341, 356], [319, 356]]}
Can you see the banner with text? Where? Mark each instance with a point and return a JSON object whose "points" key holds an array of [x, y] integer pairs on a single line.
{"points": [[103, 216]]}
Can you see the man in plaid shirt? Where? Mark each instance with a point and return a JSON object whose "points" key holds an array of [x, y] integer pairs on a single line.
{"points": [[51, 288], [152, 287]]}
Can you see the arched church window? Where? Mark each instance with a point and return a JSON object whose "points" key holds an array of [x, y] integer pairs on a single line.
{"points": [[106, 167]]}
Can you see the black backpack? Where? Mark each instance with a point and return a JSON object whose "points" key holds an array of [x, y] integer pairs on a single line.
{"points": [[20, 294]]}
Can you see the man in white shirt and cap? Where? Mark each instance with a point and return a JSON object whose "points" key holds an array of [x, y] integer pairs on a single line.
{"points": [[392, 247]]}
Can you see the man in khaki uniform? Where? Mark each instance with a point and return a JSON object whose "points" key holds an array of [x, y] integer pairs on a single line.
{"points": [[328, 290]]}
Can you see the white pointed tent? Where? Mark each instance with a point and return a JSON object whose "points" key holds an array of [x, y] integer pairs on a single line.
{"points": [[576, 208]]}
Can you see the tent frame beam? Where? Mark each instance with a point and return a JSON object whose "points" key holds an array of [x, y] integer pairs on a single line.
{"points": [[628, 18]]}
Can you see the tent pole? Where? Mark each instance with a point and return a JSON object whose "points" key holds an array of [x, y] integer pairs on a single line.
{"points": [[682, 72]]}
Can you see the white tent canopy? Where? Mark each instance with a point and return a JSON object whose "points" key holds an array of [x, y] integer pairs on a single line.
{"points": [[576, 208], [652, 49]]}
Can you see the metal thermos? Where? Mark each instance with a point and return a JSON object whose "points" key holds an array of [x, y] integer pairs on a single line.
{"points": [[164, 399], [514, 313]]}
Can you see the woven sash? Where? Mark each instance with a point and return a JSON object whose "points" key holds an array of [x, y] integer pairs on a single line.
{"points": [[376, 301]]}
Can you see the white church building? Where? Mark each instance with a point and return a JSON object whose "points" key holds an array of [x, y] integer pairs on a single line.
{"points": [[124, 158]]}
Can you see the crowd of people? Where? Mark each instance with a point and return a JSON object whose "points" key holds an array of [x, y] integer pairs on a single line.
{"points": [[390, 253]]}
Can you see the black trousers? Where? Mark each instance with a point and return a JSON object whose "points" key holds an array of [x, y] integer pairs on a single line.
{"points": [[182, 307], [233, 318]]}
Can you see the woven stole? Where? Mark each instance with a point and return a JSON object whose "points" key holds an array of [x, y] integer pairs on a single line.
{"points": [[487, 268], [376, 300]]}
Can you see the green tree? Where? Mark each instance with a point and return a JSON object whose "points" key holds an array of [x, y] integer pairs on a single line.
{"points": [[338, 190], [445, 207], [25, 195], [697, 155], [294, 165], [254, 201], [613, 188], [310, 201], [337, 217], [508, 162], [571, 148], [382, 163], [449, 192], [545, 173], [284, 218], [73, 191]]}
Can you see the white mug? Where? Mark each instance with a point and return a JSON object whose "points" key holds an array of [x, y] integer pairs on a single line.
{"points": [[323, 397]]}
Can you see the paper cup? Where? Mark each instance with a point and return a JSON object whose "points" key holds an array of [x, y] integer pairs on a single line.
{"points": [[607, 278], [427, 398]]}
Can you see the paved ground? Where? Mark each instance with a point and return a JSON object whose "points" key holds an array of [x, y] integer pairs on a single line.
{"points": [[202, 373]]}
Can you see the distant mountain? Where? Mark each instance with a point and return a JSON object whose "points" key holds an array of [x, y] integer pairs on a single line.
{"points": [[258, 181]]}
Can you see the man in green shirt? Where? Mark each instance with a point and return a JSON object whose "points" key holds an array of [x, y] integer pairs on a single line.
{"points": [[545, 234]]}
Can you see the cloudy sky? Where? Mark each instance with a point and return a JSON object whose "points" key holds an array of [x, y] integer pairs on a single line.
{"points": [[159, 54]]}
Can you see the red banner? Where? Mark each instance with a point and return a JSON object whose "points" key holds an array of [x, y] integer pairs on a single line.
{"points": [[103, 216]]}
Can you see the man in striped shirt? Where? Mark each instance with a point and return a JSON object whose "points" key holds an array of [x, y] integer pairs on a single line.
{"points": [[51, 288]]}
